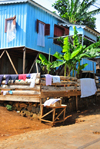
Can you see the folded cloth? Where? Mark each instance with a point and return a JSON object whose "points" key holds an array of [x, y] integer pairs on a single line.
{"points": [[1, 78], [88, 87], [14, 77], [5, 92], [50, 101], [22, 77], [10, 92], [48, 79], [56, 79], [8, 77]]}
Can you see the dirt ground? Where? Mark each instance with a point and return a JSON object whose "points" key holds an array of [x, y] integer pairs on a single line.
{"points": [[11, 123], [81, 131]]}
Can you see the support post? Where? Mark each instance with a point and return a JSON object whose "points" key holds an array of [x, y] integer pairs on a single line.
{"points": [[11, 62], [76, 103], [24, 59], [34, 62], [37, 68], [2, 54]]}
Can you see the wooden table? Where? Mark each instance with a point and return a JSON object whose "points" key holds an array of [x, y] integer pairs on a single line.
{"points": [[55, 119]]}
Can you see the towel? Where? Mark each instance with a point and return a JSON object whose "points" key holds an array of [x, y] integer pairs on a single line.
{"points": [[22, 77], [56, 79], [32, 79], [48, 79], [14, 77], [1, 78], [88, 87], [50, 101]]}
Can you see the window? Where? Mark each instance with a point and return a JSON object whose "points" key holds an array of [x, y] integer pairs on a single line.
{"points": [[10, 28], [10, 23], [60, 31], [42, 30]]}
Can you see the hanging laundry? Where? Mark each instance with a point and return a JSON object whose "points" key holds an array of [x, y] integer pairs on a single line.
{"points": [[8, 77], [88, 87], [28, 75], [48, 79], [22, 77], [14, 77], [56, 79], [32, 79], [1, 78]]}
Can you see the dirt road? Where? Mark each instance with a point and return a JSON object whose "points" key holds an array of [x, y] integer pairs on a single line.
{"points": [[77, 136], [85, 134]]}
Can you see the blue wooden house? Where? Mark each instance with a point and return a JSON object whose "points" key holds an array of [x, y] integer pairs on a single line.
{"points": [[27, 29]]}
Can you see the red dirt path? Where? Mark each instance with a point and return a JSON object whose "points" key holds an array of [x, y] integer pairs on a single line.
{"points": [[11, 123]]}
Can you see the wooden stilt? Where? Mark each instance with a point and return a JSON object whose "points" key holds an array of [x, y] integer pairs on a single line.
{"points": [[11, 62], [24, 57], [76, 103], [37, 68], [2, 53], [33, 63], [53, 118]]}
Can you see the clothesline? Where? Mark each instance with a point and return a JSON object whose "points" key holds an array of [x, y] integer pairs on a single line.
{"points": [[9, 77]]}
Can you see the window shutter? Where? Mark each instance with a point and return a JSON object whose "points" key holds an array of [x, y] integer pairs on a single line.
{"points": [[58, 31], [66, 31], [37, 26], [47, 29]]}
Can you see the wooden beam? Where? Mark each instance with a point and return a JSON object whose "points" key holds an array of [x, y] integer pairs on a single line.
{"points": [[24, 59], [37, 68], [76, 103], [33, 63], [11, 62], [19, 98], [2, 53]]}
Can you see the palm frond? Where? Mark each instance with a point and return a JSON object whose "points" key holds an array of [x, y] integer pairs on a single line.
{"points": [[94, 12]]}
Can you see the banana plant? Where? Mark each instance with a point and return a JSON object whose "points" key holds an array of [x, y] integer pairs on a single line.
{"points": [[73, 53]]}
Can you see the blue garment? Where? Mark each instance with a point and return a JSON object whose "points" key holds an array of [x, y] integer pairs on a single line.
{"points": [[14, 77], [1, 78], [28, 75], [8, 77], [10, 92]]}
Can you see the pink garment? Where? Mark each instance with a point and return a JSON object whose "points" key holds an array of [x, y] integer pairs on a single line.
{"points": [[22, 77], [48, 79]]}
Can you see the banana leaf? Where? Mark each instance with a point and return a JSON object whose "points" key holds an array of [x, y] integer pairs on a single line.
{"points": [[57, 64], [76, 52], [58, 56], [43, 59]]}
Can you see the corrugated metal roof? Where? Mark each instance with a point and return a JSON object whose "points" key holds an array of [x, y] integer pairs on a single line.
{"points": [[81, 26], [12, 1], [2, 2]]}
